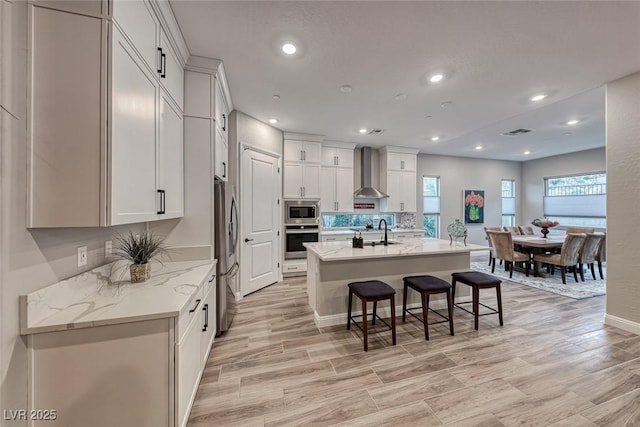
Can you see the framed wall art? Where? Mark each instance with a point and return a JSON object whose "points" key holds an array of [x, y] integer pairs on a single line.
{"points": [[473, 206]]}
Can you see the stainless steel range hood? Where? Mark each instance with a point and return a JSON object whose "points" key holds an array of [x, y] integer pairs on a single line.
{"points": [[367, 191]]}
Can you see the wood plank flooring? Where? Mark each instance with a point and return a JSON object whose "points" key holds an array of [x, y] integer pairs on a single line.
{"points": [[554, 363]]}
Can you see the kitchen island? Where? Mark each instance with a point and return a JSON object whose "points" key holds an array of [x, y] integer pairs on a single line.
{"points": [[332, 265]]}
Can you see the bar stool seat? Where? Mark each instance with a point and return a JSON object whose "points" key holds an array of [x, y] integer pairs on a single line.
{"points": [[426, 286], [374, 291], [477, 281]]}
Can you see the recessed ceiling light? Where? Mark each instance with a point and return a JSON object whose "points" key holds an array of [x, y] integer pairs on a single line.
{"points": [[446, 104], [573, 122], [539, 97], [346, 88], [276, 97], [289, 48], [363, 130], [273, 121], [436, 78], [401, 97], [435, 138], [428, 117], [526, 153], [478, 147]]}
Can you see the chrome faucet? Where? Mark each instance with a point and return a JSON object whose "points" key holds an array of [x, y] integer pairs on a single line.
{"points": [[386, 241]]}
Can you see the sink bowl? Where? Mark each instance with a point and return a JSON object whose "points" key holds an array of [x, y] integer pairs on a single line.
{"points": [[381, 243]]}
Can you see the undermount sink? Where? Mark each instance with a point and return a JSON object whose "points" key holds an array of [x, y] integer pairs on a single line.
{"points": [[381, 243]]}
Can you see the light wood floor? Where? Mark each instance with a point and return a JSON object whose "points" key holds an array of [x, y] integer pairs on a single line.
{"points": [[553, 363]]}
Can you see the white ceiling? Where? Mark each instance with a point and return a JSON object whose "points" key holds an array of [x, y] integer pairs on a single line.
{"points": [[495, 56]]}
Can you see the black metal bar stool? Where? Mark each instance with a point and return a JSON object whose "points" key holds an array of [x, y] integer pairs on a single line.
{"points": [[426, 286], [478, 281], [372, 290]]}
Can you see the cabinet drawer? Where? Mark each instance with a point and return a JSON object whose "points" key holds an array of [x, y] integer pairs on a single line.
{"points": [[209, 281], [292, 268], [189, 312]]}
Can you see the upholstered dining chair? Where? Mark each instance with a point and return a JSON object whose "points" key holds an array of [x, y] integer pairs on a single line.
{"points": [[587, 256], [585, 230], [502, 242], [568, 256], [526, 230], [600, 255], [489, 240], [515, 230]]}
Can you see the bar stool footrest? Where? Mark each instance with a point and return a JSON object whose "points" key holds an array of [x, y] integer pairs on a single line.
{"points": [[493, 310]]}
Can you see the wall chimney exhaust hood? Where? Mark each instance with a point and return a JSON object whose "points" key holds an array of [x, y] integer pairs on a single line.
{"points": [[367, 191]]}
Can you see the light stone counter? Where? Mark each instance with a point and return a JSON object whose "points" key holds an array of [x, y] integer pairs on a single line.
{"points": [[332, 265], [375, 231], [103, 296]]}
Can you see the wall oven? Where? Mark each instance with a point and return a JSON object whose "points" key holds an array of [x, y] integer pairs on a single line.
{"points": [[295, 236], [298, 212]]}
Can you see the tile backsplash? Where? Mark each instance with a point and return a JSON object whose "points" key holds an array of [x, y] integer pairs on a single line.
{"points": [[406, 220]]}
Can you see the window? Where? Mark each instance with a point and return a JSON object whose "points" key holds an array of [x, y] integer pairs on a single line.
{"points": [[578, 200], [508, 202], [431, 206], [355, 220]]}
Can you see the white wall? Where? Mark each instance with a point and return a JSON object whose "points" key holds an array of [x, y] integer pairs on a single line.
{"points": [[461, 173], [535, 171], [623, 204], [29, 259]]}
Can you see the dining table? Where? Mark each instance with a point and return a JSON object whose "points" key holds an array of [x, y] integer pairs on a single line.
{"points": [[536, 244]]}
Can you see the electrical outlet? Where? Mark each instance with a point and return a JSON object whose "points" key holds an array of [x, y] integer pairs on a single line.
{"points": [[82, 256], [108, 248]]}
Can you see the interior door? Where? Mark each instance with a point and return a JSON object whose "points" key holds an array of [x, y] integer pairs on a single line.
{"points": [[260, 221]]}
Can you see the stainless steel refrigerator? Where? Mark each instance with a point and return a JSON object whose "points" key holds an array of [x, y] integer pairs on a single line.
{"points": [[226, 241]]}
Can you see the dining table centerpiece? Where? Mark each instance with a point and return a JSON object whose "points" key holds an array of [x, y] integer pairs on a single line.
{"points": [[544, 225]]}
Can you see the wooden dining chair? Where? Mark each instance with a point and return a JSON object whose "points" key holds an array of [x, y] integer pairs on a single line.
{"points": [[567, 258], [515, 230], [588, 253], [526, 230], [585, 230], [502, 242]]}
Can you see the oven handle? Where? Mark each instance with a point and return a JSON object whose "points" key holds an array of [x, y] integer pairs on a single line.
{"points": [[301, 232]]}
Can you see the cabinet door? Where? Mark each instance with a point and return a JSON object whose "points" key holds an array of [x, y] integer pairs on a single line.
{"points": [[188, 368], [197, 95], [171, 74], [328, 197], [170, 155], [133, 137], [312, 152], [221, 108], [410, 162], [221, 150], [292, 181], [344, 157], [394, 190], [344, 189], [409, 192], [139, 24], [329, 156], [399, 161], [311, 181], [292, 151], [67, 105], [208, 325]]}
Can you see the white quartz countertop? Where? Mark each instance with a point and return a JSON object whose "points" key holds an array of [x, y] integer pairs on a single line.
{"points": [[344, 231], [105, 296], [342, 251]]}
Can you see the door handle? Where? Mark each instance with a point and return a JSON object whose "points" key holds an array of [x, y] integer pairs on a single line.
{"points": [[224, 122], [224, 170], [248, 240], [160, 60], [164, 65], [206, 317]]}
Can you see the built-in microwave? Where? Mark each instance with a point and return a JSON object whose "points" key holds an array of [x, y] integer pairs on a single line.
{"points": [[301, 212]]}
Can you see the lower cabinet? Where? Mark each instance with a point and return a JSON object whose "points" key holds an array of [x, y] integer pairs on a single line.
{"points": [[134, 374]]}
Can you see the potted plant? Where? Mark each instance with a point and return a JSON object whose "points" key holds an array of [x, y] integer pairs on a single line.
{"points": [[139, 249]]}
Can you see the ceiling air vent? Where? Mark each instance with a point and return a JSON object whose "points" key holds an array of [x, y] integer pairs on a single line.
{"points": [[376, 132], [517, 132]]}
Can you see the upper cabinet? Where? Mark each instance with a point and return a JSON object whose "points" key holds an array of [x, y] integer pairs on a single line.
{"points": [[105, 129], [398, 179], [207, 97], [301, 177], [336, 185]]}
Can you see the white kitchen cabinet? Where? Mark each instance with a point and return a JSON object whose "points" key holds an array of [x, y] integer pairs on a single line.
{"points": [[208, 319], [170, 71], [302, 151], [301, 181], [398, 179], [336, 156], [336, 237], [105, 135], [170, 157], [221, 155], [221, 107]]}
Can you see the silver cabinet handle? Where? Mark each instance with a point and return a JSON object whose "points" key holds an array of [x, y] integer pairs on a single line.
{"points": [[301, 157], [401, 164]]}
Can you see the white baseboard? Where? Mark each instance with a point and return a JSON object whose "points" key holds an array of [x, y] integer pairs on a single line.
{"points": [[383, 312], [621, 323]]}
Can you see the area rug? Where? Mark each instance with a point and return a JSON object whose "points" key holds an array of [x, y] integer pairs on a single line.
{"points": [[553, 283]]}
